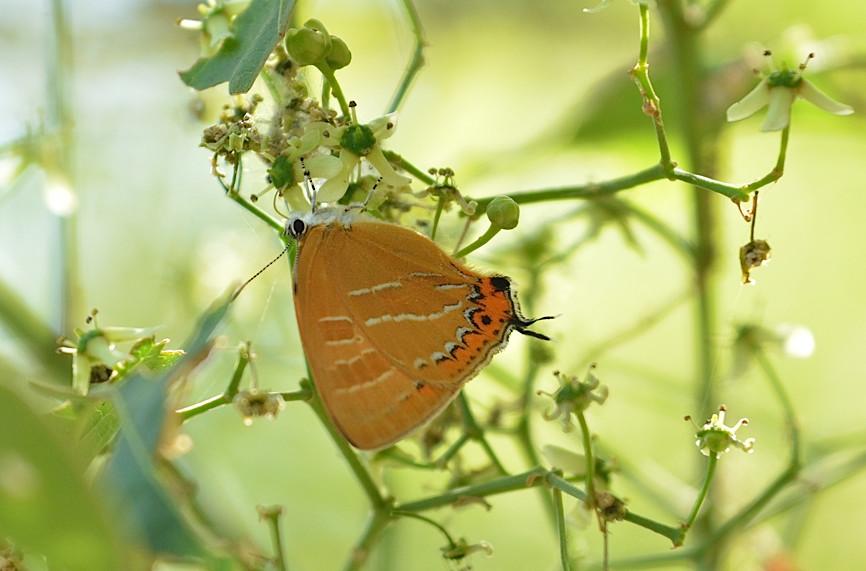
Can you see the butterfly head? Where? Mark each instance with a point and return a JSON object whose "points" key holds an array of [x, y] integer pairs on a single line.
{"points": [[298, 223]]}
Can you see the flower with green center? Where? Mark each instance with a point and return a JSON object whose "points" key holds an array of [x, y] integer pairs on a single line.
{"points": [[95, 354], [777, 91], [288, 170], [462, 549], [358, 141], [715, 438], [574, 396]]}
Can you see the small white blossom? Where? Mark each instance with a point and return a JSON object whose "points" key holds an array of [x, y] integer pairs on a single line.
{"points": [[715, 438], [777, 91]]}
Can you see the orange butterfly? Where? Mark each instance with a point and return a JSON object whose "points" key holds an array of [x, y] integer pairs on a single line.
{"points": [[392, 326]]}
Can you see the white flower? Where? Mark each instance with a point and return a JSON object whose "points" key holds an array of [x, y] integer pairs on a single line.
{"points": [[364, 141], [715, 437], [778, 91]]}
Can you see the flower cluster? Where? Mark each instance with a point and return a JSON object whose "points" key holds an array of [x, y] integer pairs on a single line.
{"points": [[96, 357], [301, 139]]}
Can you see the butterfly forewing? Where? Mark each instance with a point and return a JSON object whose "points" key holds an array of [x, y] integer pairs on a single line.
{"points": [[392, 327]]}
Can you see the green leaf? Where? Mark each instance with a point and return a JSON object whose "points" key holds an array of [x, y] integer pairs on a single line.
{"points": [[150, 353], [240, 59], [101, 428], [144, 508], [47, 506]]}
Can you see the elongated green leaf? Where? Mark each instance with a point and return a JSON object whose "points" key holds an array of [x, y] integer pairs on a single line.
{"points": [[45, 504], [143, 507], [241, 57]]}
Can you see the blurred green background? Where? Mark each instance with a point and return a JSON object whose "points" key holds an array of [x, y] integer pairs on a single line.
{"points": [[510, 100]]}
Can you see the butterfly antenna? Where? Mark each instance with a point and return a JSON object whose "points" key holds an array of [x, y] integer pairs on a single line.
{"points": [[363, 205], [370, 194], [309, 186], [240, 288]]}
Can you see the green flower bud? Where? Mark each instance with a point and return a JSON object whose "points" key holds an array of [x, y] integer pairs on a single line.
{"points": [[281, 172], [339, 56], [503, 212], [358, 139], [307, 46], [318, 26]]}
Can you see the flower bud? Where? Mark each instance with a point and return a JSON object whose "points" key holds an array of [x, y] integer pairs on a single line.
{"points": [[307, 46], [503, 212], [339, 56]]}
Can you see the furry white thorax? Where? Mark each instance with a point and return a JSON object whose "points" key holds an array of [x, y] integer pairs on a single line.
{"points": [[345, 216]]}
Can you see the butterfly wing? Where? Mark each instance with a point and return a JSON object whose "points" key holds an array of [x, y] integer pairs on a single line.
{"points": [[392, 326]]}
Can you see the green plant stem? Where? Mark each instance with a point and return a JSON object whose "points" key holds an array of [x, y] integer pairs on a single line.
{"points": [[788, 474], [226, 398], [735, 193], [711, 12], [754, 216], [590, 459], [651, 105], [480, 241], [331, 80], [535, 477], [376, 524], [589, 190], [523, 429], [440, 206], [475, 432], [58, 163], [371, 489], [452, 451], [674, 534], [687, 52], [499, 486], [258, 212], [30, 329], [561, 530], [712, 462], [779, 168], [641, 325], [232, 192], [401, 163], [778, 388], [417, 61], [428, 521], [273, 519]]}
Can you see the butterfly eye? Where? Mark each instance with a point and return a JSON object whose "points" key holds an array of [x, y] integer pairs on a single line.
{"points": [[295, 228]]}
